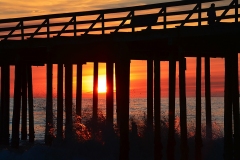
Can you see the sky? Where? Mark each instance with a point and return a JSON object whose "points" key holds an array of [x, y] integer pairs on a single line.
{"points": [[22, 8]]}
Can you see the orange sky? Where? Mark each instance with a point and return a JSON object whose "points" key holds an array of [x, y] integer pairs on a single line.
{"points": [[138, 78]]}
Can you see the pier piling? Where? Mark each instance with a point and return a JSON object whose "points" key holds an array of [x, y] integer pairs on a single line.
{"points": [[171, 113], [5, 98], [109, 93], [60, 101], [30, 103], [183, 108], [157, 111], [16, 107], [49, 106], [68, 99], [79, 90]]}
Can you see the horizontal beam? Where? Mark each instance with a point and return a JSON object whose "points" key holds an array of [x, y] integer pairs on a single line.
{"points": [[114, 27]]}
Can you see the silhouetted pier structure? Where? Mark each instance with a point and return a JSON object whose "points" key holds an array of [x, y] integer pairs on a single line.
{"points": [[40, 40]]}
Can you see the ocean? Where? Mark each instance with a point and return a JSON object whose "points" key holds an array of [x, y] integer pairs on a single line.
{"points": [[138, 112]]}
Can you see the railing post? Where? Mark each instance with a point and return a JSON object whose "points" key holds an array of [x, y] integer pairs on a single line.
{"points": [[103, 23], [183, 108], [199, 12], [133, 28], [79, 90], [236, 11], [16, 106], [198, 136], [24, 103], [68, 99], [208, 99], [150, 94], [48, 29], [228, 144], [165, 18], [75, 25], [49, 106], [22, 30]]}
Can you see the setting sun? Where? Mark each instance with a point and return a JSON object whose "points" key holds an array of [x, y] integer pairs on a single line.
{"points": [[102, 84]]}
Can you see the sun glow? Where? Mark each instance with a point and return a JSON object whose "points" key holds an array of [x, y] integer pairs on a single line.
{"points": [[102, 84]]}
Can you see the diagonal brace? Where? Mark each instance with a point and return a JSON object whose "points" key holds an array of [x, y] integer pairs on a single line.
{"points": [[38, 29], [190, 14], [17, 27], [225, 11], [95, 22], [124, 20], [65, 27]]}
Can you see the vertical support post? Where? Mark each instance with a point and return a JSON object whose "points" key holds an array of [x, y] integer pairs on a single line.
{"points": [[48, 28], [24, 103], [68, 100], [103, 26], [150, 94], [16, 107], [109, 94], [198, 137], [122, 83], [227, 110], [79, 90], [157, 111], [133, 14], [165, 18], [30, 103], [235, 102], [60, 102], [183, 108], [22, 30], [171, 112], [49, 106], [5, 95], [236, 11], [75, 25], [95, 90], [208, 99], [117, 98], [199, 12]]}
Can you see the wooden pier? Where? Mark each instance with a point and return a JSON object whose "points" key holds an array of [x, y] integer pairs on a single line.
{"points": [[24, 44]]}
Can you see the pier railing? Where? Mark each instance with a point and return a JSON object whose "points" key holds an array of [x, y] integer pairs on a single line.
{"points": [[112, 20]]}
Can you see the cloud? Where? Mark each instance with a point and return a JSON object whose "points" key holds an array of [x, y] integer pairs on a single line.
{"points": [[21, 8]]}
